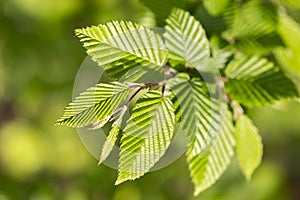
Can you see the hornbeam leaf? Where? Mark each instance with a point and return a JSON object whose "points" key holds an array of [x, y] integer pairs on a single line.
{"points": [[161, 9], [220, 53], [186, 39], [216, 7], [206, 170], [254, 81], [288, 56], [95, 105], [255, 19], [291, 3], [199, 113], [217, 24], [254, 29], [112, 136], [120, 46], [147, 135], [249, 146]]}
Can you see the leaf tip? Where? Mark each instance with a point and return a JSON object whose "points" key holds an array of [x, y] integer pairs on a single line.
{"points": [[199, 189], [119, 181], [57, 123], [78, 31], [196, 192], [100, 162], [248, 177], [101, 159]]}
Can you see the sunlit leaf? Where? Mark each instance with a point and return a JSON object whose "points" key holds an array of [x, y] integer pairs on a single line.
{"points": [[95, 105], [217, 24], [120, 46], [288, 57], [216, 7], [161, 9], [254, 29], [146, 136], [206, 170], [254, 81], [198, 112], [186, 40], [220, 54], [291, 3], [249, 146], [112, 136]]}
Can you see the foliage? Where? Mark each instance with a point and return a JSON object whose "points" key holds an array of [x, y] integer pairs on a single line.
{"points": [[179, 94]]}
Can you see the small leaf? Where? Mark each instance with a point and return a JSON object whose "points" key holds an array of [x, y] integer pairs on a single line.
{"points": [[161, 9], [255, 82], [147, 135], [216, 7], [217, 24], [249, 146], [254, 29], [206, 170], [186, 39], [95, 105], [220, 55], [291, 3], [199, 113], [288, 56], [112, 136], [120, 46]]}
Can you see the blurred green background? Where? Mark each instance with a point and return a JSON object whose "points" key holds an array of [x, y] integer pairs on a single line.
{"points": [[39, 59]]}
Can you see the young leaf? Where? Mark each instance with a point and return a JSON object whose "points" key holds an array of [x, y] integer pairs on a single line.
{"points": [[254, 29], [288, 57], [146, 136], [217, 24], [255, 19], [141, 74], [161, 9], [206, 170], [216, 7], [220, 55], [95, 105], [185, 39], [112, 136], [120, 46], [199, 115], [291, 3], [249, 146], [254, 81]]}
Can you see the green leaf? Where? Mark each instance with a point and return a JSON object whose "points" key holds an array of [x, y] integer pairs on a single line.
{"points": [[288, 57], [291, 3], [255, 19], [206, 170], [186, 40], [220, 55], [217, 24], [120, 46], [249, 146], [112, 136], [161, 9], [146, 136], [216, 7], [254, 81], [141, 74], [199, 113], [96, 105], [254, 29]]}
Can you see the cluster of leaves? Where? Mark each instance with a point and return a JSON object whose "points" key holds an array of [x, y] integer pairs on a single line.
{"points": [[159, 87], [256, 27]]}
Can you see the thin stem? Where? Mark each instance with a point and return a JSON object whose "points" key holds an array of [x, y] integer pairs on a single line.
{"points": [[238, 111], [130, 99], [163, 90]]}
